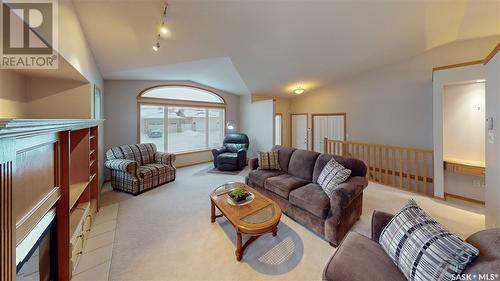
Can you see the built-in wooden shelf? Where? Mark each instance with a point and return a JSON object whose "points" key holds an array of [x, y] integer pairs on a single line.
{"points": [[75, 191], [64, 151], [464, 167], [76, 219]]}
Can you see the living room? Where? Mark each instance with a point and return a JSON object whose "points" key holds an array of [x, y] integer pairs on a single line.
{"points": [[249, 140]]}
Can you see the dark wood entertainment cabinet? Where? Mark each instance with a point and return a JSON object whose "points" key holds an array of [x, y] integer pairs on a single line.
{"points": [[47, 165]]}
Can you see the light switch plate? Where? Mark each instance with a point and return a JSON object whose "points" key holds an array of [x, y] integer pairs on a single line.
{"points": [[489, 123]]}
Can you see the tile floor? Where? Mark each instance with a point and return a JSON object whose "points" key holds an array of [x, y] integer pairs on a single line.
{"points": [[95, 262]]}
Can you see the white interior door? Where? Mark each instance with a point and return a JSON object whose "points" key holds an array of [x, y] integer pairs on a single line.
{"points": [[299, 131], [327, 126]]}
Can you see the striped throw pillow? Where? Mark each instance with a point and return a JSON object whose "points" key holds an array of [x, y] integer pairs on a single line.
{"points": [[269, 161], [332, 175], [422, 248]]}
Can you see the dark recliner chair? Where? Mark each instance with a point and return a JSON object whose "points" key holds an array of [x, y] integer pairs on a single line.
{"points": [[232, 156]]}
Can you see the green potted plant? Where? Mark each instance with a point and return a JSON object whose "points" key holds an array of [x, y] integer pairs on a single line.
{"points": [[239, 194]]}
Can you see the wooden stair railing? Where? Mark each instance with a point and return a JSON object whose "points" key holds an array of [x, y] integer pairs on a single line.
{"points": [[403, 167]]}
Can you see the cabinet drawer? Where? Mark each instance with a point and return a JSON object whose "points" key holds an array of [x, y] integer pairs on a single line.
{"points": [[76, 250], [87, 223]]}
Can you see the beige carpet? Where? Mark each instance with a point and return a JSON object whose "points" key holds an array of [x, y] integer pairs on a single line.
{"points": [[166, 234]]}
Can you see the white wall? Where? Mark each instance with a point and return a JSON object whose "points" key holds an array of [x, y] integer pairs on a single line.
{"points": [[492, 70], [257, 121], [73, 45], [120, 113], [12, 94], [57, 99], [464, 121]]}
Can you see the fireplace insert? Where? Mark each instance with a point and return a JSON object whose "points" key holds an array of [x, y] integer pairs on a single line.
{"points": [[36, 254]]}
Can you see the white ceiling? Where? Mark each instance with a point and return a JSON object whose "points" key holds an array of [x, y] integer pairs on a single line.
{"points": [[269, 47]]}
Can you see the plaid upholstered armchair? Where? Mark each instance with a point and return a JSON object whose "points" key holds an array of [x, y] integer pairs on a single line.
{"points": [[139, 167]]}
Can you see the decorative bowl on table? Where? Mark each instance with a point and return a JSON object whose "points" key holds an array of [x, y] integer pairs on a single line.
{"points": [[239, 195]]}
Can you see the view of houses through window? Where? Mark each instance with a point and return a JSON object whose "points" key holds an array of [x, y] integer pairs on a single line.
{"points": [[180, 129]]}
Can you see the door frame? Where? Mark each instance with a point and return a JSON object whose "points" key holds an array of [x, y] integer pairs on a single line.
{"points": [[281, 129], [307, 127], [327, 114]]}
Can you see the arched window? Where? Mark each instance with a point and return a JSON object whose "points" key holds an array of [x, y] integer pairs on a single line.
{"points": [[180, 118], [182, 93]]}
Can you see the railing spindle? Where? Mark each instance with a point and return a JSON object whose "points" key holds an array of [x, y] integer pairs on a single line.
{"points": [[416, 171], [401, 168], [424, 173], [386, 174], [380, 163], [393, 166], [408, 169]]}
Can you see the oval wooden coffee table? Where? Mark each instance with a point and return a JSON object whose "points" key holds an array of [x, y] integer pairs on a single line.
{"points": [[256, 218]]}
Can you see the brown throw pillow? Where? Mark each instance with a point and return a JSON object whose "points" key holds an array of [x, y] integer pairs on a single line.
{"points": [[269, 161]]}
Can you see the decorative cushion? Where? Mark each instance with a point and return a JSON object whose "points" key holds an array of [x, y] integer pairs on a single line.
{"points": [[422, 248], [269, 160], [233, 147], [332, 175]]}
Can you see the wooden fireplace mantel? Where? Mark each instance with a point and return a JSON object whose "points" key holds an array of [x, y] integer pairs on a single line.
{"points": [[45, 163], [10, 128]]}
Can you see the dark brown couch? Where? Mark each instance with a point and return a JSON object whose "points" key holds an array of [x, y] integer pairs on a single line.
{"points": [[359, 258], [297, 192]]}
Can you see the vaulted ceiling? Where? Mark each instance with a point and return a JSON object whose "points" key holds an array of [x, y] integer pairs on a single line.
{"points": [[269, 47]]}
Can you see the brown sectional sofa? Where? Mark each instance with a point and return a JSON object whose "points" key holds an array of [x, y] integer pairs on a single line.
{"points": [[359, 258], [297, 192]]}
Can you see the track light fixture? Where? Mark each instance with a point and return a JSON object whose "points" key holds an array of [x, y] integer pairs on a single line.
{"points": [[162, 30], [163, 26]]}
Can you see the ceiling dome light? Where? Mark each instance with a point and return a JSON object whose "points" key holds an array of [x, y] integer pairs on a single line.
{"points": [[299, 91]]}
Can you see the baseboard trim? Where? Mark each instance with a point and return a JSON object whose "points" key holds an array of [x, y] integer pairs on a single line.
{"points": [[463, 198]]}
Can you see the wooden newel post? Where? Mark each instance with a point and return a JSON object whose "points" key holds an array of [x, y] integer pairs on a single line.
{"points": [[325, 146]]}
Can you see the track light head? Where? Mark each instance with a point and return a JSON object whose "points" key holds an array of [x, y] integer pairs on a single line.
{"points": [[156, 46], [163, 29]]}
